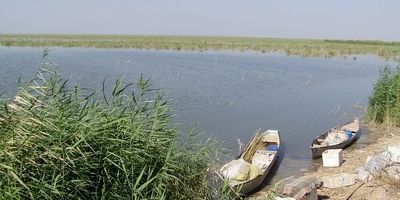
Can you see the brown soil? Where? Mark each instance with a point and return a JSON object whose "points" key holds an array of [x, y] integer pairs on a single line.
{"points": [[378, 188], [354, 157]]}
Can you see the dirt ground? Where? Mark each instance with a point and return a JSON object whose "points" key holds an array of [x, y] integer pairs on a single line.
{"points": [[379, 188]]}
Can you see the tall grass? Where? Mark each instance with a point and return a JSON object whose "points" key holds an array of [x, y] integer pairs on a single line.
{"points": [[57, 143], [301, 47], [384, 103]]}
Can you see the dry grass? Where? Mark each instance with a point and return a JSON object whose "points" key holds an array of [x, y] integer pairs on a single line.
{"points": [[252, 147]]}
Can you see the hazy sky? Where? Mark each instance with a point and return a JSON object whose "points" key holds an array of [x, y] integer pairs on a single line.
{"points": [[342, 19]]}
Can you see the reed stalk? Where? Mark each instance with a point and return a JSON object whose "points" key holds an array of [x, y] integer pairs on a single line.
{"points": [[58, 143], [384, 103]]}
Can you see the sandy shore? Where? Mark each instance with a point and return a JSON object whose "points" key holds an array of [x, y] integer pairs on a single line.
{"points": [[354, 157]]}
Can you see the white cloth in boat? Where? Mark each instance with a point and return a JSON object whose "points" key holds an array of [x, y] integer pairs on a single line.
{"points": [[335, 137], [240, 170]]}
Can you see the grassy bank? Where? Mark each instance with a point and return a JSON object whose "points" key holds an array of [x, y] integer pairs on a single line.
{"points": [[301, 47], [59, 143]]}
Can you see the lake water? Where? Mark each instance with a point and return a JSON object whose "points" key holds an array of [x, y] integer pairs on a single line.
{"points": [[226, 95]]}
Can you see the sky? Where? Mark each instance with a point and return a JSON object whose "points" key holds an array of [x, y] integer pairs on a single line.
{"points": [[319, 19]]}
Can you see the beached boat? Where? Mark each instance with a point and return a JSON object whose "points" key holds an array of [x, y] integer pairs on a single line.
{"points": [[259, 156], [338, 137]]}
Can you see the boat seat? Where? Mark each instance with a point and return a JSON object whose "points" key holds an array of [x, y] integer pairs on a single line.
{"points": [[270, 138], [267, 151], [270, 152]]}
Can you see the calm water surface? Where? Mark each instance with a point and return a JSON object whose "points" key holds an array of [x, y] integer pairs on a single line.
{"points": [[226, 95]]}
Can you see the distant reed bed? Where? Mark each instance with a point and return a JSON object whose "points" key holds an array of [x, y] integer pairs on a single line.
{"points": [[300, 47], [58, 142], [384, 103]]}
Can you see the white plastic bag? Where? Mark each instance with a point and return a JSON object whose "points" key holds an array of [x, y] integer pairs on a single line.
{"points": [[376, 164], [236, 169], [393, 152]]}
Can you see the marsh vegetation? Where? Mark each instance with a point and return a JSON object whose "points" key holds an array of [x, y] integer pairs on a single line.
{"points": [[384, 103], [58, 142], [301, 47]]}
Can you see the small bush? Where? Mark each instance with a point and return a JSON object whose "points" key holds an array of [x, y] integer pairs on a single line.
{"points": [[384, 103], [56, 143]]}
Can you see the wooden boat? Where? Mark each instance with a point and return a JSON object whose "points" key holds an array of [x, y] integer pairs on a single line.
{"points": [[323, 142], [267, 145]]}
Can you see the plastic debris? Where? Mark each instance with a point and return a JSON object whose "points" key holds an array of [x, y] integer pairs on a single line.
{"points": [[240, 170], [332, 157], [393, 171], [384, 163], [236, 169], [393, 152], [338, 180], [363, 175], [304, 187], [376, 164]]}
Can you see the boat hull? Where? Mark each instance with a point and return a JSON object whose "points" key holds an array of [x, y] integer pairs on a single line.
{"points": [[317, 151], [250, 186]]}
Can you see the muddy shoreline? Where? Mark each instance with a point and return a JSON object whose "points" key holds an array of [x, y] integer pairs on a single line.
{"points": [[377, 140]]}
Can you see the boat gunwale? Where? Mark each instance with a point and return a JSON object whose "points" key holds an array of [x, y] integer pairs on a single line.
{"points": [[264, 174], [341, 145]]}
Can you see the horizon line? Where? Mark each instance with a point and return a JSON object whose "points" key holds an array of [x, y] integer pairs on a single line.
{"points": [[210, 36]]}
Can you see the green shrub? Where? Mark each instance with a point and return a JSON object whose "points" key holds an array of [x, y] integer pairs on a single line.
{"points": [[57, 143], [384, 103]]}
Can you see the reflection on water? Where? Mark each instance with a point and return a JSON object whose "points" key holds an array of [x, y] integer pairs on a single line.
{"points": [[227, 95]]}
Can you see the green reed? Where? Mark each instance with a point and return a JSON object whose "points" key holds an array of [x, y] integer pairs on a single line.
{"points": [[57, 142], [300, 47], [384, 103]]}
